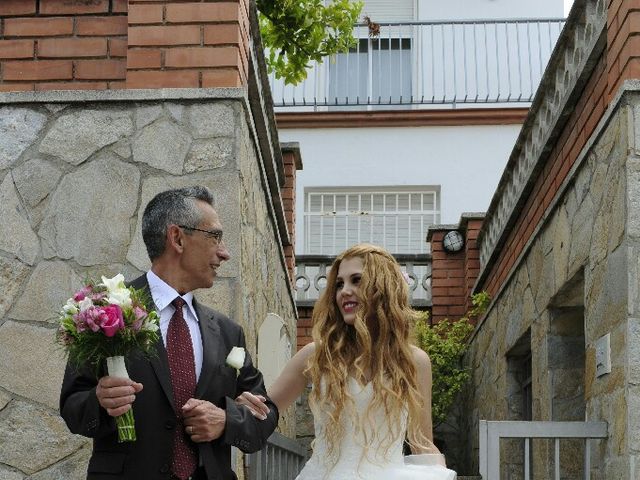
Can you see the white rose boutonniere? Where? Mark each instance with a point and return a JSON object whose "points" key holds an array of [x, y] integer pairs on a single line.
{"points": [[235, 359]]}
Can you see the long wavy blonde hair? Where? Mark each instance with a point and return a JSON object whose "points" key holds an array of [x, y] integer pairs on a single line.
{"points": [[377, 344]]}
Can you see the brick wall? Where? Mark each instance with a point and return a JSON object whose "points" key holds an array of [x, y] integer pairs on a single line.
{"points": [[304, 326], [110, 44], [447, 280], [472, 259], [292, 162], [623, 43], [62, 44]]}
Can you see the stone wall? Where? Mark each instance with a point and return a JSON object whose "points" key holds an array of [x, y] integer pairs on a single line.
{"points": [[76, 171], [577, 280]]}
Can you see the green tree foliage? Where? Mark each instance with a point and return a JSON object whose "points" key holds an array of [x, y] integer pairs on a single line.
{"points": [[446, 343], [297, 32]]}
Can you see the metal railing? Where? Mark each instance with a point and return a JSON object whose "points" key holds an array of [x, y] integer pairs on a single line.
{"points": [[281, 459], [429, 63], [491, 432], [311, 277]]}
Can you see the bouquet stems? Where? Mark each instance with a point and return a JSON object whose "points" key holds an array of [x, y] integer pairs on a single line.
{"points": [[125, 422]]}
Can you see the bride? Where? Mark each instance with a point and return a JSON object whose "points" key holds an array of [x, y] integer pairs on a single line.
{"points": [[371, 388]]}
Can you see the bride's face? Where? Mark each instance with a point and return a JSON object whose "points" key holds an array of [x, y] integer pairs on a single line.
{"points": [[347, 283]]}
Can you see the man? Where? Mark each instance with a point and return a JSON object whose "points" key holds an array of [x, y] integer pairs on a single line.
{"points": [[185, 414]]}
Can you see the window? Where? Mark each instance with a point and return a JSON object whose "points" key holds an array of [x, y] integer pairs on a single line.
{"points": [[396, 218], [377, 70]]}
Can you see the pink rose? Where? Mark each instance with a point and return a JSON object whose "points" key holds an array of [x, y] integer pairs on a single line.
{"points": [[112, 320]]}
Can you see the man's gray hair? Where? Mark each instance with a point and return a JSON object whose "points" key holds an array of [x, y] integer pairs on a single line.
{"points": [[171, 207]]}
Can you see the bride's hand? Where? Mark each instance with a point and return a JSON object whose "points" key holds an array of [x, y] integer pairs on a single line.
{"points": [[255, 403]]}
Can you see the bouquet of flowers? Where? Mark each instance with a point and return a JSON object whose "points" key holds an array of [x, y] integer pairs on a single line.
{"points": [[104, 322]]}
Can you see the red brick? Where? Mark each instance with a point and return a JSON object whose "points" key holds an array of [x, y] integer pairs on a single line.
{"points": [[38, 70], [202, 12], [120, 6], [16, 87], [164, 35], [221, 77], [100, 26], [201, 57], [72, 47], [71, 86], [439, 291], [37, 27], [164, 79], [144, 58], [456, 292], [304, 322], [73, 7], [145, 14], [118, 85], [17, 7], [100, 69], [449, 282], [222, 34], [117, 47], [16, 48]]}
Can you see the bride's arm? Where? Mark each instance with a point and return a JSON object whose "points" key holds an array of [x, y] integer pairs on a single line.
{"points": [[423, 369], [287, 387]]}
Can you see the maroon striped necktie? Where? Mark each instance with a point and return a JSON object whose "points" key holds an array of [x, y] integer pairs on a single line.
{"points": [[183, 381]]}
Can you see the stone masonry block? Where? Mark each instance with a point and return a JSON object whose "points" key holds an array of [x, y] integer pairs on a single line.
{"points": [[32, 364], [49, 287], [34, 438], [88, 216]]}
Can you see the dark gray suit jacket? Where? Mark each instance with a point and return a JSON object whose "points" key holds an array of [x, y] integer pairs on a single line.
{"points": [[149, 458]]}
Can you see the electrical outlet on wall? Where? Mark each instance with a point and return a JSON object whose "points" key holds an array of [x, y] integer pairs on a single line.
{"points": [[603, 355]]}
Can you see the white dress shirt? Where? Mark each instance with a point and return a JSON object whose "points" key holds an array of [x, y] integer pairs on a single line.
{"points": [[162, 295]]}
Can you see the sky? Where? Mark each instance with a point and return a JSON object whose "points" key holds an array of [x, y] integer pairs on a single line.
{"points": [[567, 6]]}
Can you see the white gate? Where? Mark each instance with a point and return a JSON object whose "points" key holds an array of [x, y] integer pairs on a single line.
{"points": [[491, 432]]}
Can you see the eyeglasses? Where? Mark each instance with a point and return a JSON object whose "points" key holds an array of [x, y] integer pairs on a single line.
{"points": [[212, 234]]}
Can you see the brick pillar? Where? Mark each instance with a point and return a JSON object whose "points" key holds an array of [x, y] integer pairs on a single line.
{"points": [[304, 326], [623, 43], [292, 162], [177, 44], [447, 279], [472, 258], [453, 275]]}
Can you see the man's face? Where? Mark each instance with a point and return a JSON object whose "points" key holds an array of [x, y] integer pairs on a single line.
{"points": [[203, 253]]}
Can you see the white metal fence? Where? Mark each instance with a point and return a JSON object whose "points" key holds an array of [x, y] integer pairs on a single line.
{"points": [[427, 63], [281, 459], [492, 431]]}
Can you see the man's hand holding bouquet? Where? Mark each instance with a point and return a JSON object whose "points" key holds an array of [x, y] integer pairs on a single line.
{"points": [[103, 323]]}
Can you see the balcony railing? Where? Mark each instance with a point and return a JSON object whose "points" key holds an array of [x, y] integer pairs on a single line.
{"points": [[281, 459], [492, 431], [312, 270], [429, 63]]}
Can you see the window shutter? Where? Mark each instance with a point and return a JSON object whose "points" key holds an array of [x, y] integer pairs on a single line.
{"points": [[388, 11]]}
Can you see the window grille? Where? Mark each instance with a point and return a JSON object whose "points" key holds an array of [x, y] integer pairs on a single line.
{"points": [[395, 218]]}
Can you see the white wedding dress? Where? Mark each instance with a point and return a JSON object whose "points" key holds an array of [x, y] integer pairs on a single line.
{"points": [[354, 464]]}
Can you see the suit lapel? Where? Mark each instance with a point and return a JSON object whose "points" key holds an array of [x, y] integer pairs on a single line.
{"points": [[159, 361], [211, 344]]}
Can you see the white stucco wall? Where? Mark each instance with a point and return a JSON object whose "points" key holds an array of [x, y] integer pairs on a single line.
{"points": [[465, 161], [484, 9]]}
